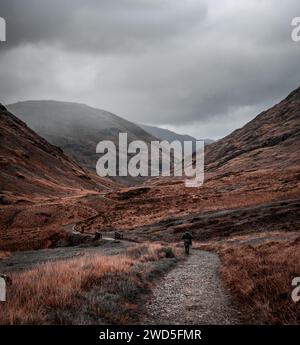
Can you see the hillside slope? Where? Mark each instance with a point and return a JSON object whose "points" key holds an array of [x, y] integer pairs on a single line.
{"points": [[32, 167], [166, 134], [271, 139], [40, 188], [170, 136]]}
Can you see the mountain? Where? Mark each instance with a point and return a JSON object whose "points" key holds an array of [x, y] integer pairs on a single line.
{"points": [[32, 168], [270, 140], [76, 128], [165, 134]]}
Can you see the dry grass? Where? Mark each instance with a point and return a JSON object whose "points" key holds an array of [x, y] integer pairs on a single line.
{"points": [[85, 290], [210, 246], [260, 278], [4, 254]]}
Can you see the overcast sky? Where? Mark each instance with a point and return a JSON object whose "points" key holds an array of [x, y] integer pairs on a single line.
{"points": [[203, 67]]}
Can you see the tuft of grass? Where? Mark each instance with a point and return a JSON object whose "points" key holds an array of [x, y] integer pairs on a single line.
{"points": [[93, 289]]}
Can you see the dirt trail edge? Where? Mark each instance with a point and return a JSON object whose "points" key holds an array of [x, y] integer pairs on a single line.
{"points": [[192, 293]]}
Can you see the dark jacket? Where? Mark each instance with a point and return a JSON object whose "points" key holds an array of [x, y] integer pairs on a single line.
{"points": [[187, 238]]}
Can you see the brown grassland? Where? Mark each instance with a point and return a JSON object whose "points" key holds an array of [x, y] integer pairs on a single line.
{"points": [[88, 289], [259, 276]]}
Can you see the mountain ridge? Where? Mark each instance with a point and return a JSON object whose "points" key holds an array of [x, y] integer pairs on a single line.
{"points": [[170, 136], [277, 127]]}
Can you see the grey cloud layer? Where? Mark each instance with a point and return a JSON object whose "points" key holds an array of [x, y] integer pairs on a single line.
{"points": [[204, 66], [99, 26]]}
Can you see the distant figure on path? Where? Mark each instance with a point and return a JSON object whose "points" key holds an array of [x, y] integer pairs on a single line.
{"points": [[187, 240]]}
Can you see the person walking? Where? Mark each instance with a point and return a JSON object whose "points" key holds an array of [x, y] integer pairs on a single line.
{"points": [[187, 240]]}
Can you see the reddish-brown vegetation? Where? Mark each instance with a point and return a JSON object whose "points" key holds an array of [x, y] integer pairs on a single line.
{"points": [[258, 270], [4, 254], [39, 186], [89, 289]]}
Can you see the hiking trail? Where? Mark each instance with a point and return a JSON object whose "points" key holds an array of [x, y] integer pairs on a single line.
{"points": [[192, 293]]}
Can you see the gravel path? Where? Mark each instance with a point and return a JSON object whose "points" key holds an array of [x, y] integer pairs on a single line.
{"points": [[191, 293]]}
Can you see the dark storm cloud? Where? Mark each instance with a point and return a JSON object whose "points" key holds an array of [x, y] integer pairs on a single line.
{"points": [[204, 67], [98, 25]]}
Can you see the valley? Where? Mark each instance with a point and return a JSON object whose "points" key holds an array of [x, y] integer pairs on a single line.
{"points": [[249, 203]]}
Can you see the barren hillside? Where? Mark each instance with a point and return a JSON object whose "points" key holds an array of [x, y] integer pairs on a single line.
{"points": [[270, 140], [40, 186], [31, 167]]}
